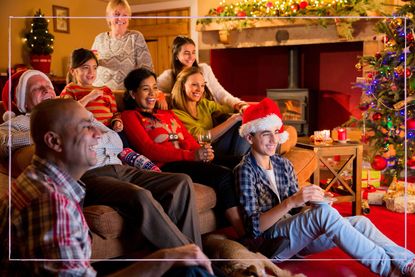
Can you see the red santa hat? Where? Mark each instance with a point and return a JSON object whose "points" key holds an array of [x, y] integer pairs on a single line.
{"points": [[15, 93], [262, 116]]}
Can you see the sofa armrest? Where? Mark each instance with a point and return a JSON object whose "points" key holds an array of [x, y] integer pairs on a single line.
{"points": [[291, 142]]}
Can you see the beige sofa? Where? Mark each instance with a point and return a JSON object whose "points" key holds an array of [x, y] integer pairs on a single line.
{"points": [[111, 235]]}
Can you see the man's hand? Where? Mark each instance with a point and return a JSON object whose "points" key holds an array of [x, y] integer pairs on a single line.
{"points": [[117, 126], [305, 194], [191, 255]]}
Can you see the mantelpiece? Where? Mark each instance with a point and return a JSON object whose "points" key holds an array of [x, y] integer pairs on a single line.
{"points": [[279, 32]]}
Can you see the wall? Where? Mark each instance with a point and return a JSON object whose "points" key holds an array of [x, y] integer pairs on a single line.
{"points": [[82, 31], [327, 70]]}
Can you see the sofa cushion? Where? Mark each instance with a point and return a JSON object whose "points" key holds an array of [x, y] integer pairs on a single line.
{"points": [[108, 224], [291, 142], [205, 197], [304, 162], [104, 221]]}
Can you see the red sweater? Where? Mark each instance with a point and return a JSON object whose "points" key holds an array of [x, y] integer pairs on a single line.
{"points": [[104, 108], [162, 139]]}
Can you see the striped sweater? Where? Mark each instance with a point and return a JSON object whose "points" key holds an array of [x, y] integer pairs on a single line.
{"points": [[103, 108]]}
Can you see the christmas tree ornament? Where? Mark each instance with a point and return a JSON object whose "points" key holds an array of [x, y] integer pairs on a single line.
{"points": [[241, 14], [389, 125], [294, 7], [408, 72], [303, 4], [364, 106], [410, 124], [377, 116], [411, 163], [379, 163]]}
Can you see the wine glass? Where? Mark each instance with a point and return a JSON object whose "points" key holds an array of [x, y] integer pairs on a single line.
{"points": [[204, 138]]}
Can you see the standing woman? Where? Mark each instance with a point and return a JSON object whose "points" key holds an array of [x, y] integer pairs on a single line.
{"points": [[197, 113], [120, 50], [184, 56]]}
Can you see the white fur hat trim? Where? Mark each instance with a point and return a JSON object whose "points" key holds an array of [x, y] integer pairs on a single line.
{"points": [[20, 94], [262, 124]]}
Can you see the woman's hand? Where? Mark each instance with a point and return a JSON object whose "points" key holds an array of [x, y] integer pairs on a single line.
{"points": [[236, 117], [204, 153], [241, 107]]}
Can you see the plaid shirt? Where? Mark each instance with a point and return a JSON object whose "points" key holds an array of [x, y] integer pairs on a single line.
{"points": [[255, 191], [46, 223], [20, 134]]}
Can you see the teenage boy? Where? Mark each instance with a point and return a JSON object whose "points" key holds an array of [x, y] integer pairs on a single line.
{"points": [[269, 194]]}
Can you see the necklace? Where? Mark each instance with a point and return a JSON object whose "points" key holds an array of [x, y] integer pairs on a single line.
{"points": [[114, 43]]}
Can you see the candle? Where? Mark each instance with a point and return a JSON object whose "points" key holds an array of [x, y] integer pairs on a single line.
{"points": [[341, 134]]}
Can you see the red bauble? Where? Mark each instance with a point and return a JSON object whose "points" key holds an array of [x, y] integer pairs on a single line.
{"points": [[378, 55], [295, 7], [370, 75], [410, 37], [241, 14], [376, 116], [408, 72], [379, 163], [364, 106], [410, 124], [220, 9], [411, 163], [303, 4], [270, 4]]}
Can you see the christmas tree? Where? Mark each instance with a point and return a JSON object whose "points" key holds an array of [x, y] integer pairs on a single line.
{"points": [[389, 96], [38, 40]]}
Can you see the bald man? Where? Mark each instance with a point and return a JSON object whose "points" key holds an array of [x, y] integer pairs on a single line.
{"points": [[46, 212]]}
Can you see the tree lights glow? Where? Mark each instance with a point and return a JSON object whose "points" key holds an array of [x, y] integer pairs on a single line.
{"points": [[38, 40]]}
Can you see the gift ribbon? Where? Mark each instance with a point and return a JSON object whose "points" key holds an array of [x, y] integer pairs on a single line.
{"points": [[370, 188]]}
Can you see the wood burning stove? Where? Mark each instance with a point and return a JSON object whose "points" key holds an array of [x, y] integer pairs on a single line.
{"points": [[293, 104], [293, 101]]}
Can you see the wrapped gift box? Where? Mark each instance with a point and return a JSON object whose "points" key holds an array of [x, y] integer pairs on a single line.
{"points": [[397, 204], [395, 197], [371, 177], [376, 197]]}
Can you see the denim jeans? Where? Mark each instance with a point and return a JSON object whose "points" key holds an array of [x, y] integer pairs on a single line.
{"points": [[322, 227]]}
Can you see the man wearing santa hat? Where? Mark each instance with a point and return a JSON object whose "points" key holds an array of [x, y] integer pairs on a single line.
{"points": [[27, 89], [271, 199]]}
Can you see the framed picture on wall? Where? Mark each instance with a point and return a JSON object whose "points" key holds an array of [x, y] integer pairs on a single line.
{"points": [[60, 19]]}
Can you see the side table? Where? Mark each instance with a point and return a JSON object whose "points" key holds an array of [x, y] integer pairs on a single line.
{"points": [[352, 152]]}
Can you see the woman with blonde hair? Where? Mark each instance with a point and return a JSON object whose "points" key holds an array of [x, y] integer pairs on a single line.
{"points": [[120, 50], [198, 115]]}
